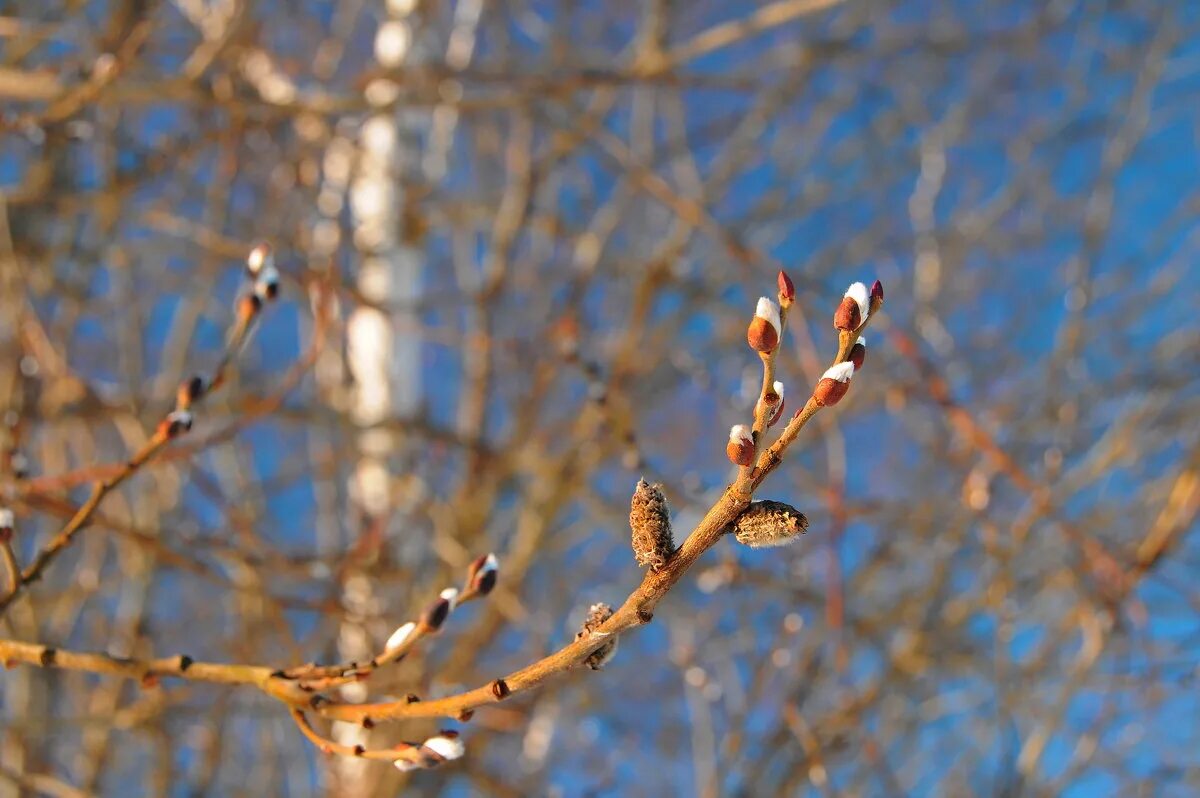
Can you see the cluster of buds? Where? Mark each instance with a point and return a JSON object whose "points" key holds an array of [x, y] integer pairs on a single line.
{"points": [[444, 746], [260, 266], [7, 521], [765, 328], [482, 575], [598, 613], [650, 523]]}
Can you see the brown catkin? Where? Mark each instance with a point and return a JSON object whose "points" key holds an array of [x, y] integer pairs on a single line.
{"points": [[650, 521], [597, 614], [768, 523]]}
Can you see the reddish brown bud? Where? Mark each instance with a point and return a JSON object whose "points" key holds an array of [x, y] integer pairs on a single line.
{"points": [[761, 336], [847, 316], [778, 414], [858, 353], [877, 291], [834, 384], [482, 573], [740, 448], [247, 307], [765, 328], [437, 612], [829, 392], [189, 391], [787, 289]]}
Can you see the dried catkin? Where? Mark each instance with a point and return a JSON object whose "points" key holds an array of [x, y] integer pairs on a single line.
{"points": [[769, 523], [597, 614], [650, 521]]}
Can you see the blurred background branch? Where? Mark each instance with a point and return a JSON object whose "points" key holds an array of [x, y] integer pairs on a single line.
{"points": [[540, 227]]}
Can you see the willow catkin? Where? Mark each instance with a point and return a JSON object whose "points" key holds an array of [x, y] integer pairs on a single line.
{"points": [[650, 522], [769, 523], [598, 613]]}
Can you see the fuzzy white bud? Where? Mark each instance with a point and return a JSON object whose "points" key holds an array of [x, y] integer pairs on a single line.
{"points": [[739, 433], [6, 518], [400, 636], [858, 292], [445, 746], [260, 256], [450, 594], [767, 309], [778, 387], [842, 372]]}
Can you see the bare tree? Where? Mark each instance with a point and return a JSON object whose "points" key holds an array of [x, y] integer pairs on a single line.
{"points": [[515, 249]]}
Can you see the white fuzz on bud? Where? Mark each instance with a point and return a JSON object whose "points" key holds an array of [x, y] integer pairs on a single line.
{"points": [[266, 285], [447, 745], [450, 594], [767, 309], [260, 257], [176, 423], [403, 765], [399, 636], [842, 372], [778, 386], [858, 292], [740, 433], [7, 519]]}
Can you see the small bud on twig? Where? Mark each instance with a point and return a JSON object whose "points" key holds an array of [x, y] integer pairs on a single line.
{"points": [[740, 448], [247, 307], [769, 523], [176, 423], [7, 522], [787, 289], [446, 745], [266, 286], [764, 330], [858, 353], [18, 463], [399, 636], [834, 384], [482, 574], [598, 613], [650, 522], [261, 256], [853, 310], [440, 610], [777, 409], [189, 391]]}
